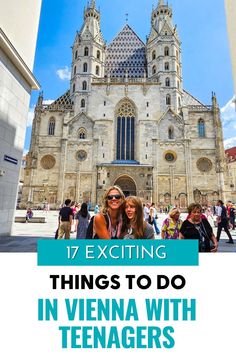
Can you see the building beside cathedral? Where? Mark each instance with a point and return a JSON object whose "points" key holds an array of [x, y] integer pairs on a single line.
{"points": [[126, 120]]}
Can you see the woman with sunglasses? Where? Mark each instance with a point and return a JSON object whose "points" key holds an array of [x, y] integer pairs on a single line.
{"points": [[108, 222], [134, 225]]}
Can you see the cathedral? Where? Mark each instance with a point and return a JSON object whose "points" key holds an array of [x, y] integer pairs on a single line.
{"points": [[126, 119]]}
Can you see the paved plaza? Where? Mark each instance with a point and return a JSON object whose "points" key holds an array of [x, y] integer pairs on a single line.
{"points": [[25, 235]]}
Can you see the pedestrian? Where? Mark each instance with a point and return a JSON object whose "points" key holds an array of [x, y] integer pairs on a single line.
{"points": [[65, 220], [73, 208], [232, 215], [222, 221], [96, 209], [82, 220], [29, 214], [134, 226], [108, 222], [153, 214], [146, 211], [171, 225], [196, 228]]}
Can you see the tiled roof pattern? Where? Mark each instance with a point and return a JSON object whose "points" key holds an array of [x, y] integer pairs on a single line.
{"points": [[63, 100], [126, 54]]}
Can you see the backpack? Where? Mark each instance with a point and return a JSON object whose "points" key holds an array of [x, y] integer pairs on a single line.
{"points": [[89, 233]]}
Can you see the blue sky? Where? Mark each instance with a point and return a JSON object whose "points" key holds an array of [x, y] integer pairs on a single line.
{"points": [[201, 26]]}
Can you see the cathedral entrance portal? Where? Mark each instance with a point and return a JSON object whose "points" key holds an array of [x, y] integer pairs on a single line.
{"points": [[127, 185]]}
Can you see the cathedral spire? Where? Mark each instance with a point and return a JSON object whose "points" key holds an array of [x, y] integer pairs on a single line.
{"points": [[93, 4]]}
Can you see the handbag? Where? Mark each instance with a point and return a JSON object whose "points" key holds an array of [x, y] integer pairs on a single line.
{"points": [[150, 220], [203, 235]]}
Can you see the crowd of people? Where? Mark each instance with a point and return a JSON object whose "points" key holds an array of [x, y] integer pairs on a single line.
{"points": [[121, 217]]}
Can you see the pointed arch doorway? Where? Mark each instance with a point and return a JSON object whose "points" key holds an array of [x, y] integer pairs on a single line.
{"points": [[127, 185]]}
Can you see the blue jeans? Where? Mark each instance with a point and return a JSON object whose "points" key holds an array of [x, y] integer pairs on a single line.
{"points": [[155, 226]]}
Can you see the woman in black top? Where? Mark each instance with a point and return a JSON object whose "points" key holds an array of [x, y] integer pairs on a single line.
{"points": [[197, 228]]}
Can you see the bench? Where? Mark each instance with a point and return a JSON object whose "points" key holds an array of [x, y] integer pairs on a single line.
{"points": [[34, 219]]}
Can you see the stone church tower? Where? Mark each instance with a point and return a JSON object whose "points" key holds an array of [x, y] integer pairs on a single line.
{"points": [[126, 120]]}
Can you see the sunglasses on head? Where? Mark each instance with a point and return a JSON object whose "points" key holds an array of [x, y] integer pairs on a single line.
{"points": [[114, 196]]}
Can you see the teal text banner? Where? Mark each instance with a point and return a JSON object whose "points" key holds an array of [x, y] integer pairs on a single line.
{"points": [[117, 253]]}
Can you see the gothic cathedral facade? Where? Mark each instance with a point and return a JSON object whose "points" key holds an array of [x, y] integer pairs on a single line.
{"points": [[126, 120]]}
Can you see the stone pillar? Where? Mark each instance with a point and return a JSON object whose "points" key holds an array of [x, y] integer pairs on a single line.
{"points": [[171, 169], [77, 186], [155, 171], [61, 178], [188, 169]]}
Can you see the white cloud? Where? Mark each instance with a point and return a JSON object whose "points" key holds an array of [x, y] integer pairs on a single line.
{"points": [[231, 142], [228, 112], [48, 101], [30, 116], [25, 152], [228, 117], [64, 74]]}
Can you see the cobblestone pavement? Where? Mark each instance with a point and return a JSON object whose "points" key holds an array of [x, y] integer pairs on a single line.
{"points": [[25, 235]]}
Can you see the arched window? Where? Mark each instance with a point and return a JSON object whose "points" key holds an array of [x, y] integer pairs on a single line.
{"points": [[86, 51], [82, 133], [73, 88], [51, 126], [153, 55], [167, 81], [166, 51], [125, 131], [168, 100], [74, 70], [82, 103], [84, 85], [170, 133], [97, 70], [76, 54], [154, 69], [167, 66], [98, 54], [85, 67], [201, 128]]}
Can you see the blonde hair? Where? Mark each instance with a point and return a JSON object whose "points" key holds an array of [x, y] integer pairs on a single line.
{"points": [[104, 204], [173, 212]]}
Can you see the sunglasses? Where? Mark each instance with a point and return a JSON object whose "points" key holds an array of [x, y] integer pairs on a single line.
{"points": [[114, 196]]}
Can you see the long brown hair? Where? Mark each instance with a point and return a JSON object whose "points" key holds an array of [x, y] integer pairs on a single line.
{"points": [[138, 221]]}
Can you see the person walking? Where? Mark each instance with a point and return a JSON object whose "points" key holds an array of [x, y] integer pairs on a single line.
{"points": [[222, 221], [65, 220], [153, 214], [232, 215], [82, 220], [146, 211]]}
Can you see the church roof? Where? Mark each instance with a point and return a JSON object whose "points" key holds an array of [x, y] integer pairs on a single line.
{"points": [[231, 154], [189, 100], [63, 100], [126, 54]]}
